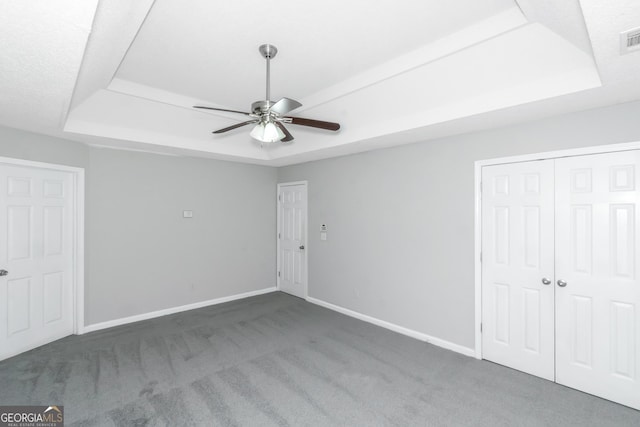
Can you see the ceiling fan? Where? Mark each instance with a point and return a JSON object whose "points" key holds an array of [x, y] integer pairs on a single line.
{"points": [[269, 117]]}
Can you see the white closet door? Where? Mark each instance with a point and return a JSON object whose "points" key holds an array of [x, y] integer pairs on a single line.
{"points": [[597, 311], [517, 252], [36, 284]]}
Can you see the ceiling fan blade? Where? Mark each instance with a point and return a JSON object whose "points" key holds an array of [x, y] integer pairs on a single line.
{"points": [[287, 135], [312, 123], [236, 126], [221, 109], [284, 105]]}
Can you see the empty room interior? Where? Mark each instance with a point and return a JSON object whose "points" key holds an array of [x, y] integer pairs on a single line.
{"points": [[255, 213]]}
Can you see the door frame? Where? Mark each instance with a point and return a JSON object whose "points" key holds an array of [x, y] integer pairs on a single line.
{"points": [[478, 165], [77, 253], [306, 233]]}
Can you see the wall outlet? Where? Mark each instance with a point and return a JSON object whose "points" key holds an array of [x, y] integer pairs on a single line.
{"points": [[187, 214]]}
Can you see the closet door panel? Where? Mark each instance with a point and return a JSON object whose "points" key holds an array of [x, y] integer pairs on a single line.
{"points": [[597, 311], [517, 252]]}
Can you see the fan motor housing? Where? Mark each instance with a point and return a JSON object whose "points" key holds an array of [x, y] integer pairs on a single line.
{"points": [[260, 107]]}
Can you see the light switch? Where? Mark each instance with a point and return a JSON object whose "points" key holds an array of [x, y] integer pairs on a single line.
{"points": [[187, 214], [323, 236]]}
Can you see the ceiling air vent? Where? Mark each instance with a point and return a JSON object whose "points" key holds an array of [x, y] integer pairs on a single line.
{"points": [[630, 41]]}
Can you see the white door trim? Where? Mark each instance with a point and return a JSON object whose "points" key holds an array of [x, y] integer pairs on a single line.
{"points": [[78, 231], [479, 164], [306, 234]]}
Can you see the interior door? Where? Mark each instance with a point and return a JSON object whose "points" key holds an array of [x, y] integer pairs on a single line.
{"points": [[292, 205], [36, 282], [597, 267], [517, 266]]}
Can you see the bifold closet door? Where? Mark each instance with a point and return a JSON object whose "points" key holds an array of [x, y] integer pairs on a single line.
{"points": [[597, 267], [517, 266]]}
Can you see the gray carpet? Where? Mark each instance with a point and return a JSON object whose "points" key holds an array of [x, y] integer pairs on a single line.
{"points": [[278, 360]]}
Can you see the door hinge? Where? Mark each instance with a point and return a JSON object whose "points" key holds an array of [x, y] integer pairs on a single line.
{"points": [[279, 197], [480, 326], [480, 256], [279, 236], [278, 274]]}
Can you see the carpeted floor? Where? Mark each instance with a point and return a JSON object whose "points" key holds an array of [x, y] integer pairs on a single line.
{"points": [[278, 360]]}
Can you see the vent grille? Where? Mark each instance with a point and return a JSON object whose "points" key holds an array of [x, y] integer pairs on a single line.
{"points": [[630, 41]]}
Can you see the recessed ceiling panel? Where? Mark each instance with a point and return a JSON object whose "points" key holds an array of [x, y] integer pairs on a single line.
{"points": [[209, 50], [390, 72]]}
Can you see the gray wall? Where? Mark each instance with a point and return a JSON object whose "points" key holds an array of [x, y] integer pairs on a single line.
{"points": [[145, 256], [41, 148], [400, 221], [141, 255]]}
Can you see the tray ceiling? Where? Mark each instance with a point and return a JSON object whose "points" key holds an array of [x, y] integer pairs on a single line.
{"points": [[125, 74]]}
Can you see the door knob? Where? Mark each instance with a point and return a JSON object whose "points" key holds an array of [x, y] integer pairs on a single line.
{"points": [[301, 246], [3, 272], [562, 283], [546, 281]]}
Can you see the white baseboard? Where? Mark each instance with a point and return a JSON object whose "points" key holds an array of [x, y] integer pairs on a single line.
{"points": [[396, 328], [172, 310]]}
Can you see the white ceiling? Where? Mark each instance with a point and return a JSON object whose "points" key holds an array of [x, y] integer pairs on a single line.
{"points": [[41, 48], [125, 74], [210, 52]]}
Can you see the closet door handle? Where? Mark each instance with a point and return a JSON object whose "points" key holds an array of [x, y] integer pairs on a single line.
{"points": [[546, 281], [562, 283]]}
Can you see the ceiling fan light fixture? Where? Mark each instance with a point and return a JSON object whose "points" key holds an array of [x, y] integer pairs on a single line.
{"points": [[267, 132], [272, 132]]}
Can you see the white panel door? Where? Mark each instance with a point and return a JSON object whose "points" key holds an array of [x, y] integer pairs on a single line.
{"points": [[292, 205], [597, 267], [36, 288], [517, 266]]}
